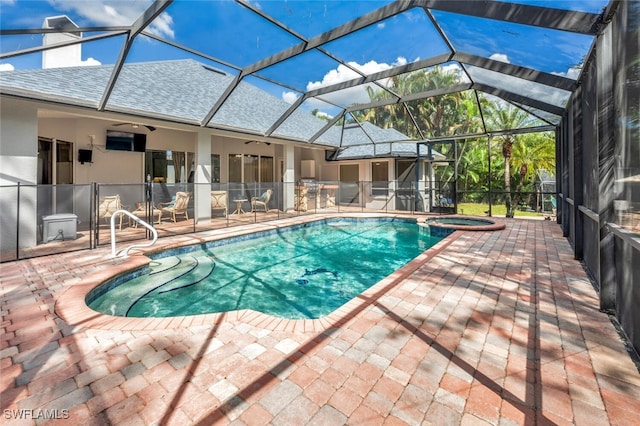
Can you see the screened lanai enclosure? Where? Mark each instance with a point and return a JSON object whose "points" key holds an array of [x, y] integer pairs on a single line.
{"points": [[507, 108], [482, 81]]}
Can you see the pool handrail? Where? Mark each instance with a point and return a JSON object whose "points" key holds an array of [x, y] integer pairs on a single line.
{"points": [[125, 253]]}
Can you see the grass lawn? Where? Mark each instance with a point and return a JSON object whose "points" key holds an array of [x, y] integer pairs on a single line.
{"points": [[478, 209]]}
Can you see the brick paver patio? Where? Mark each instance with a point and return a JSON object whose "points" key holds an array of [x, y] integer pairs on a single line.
{"points": [[485, 328]]}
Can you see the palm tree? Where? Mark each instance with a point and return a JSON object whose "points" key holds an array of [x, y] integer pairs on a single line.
{"points": [[436, 116], [473, 165], [532, 152], [500, 116]]}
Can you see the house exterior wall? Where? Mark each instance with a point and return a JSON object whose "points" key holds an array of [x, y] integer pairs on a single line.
{"points": [[24, 122], [18, 165], [18, 142]]}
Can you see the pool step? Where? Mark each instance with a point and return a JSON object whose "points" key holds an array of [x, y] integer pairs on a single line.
{"points": [[161, 272], [189, 271], [160, 265], [203, 269]]}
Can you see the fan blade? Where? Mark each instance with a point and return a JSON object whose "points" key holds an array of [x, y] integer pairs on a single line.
{"points": [[120, 124], [151, 128]]}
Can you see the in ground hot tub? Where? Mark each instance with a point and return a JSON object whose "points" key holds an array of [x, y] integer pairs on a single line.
{"points": [[462, 223]]}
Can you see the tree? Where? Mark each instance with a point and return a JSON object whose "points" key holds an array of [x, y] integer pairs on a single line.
{"points": [[473, 167], [531, 152], [436, 116], [459, 113], [501, 116]]}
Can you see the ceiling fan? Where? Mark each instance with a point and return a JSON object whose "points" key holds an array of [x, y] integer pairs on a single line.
{"points": [[257, 142], [135, 126]]}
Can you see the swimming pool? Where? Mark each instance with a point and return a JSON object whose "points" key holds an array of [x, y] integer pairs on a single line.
{"points": [[301, 272]]}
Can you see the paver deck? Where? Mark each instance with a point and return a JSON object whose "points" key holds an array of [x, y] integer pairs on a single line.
{"points": [[495, 328]]}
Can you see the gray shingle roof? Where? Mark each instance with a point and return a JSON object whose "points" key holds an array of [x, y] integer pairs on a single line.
{"points": [[185, 91], [76, 85]]}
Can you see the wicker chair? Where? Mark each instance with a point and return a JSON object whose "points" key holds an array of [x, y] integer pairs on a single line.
{"points": [[178, 206], [219, 201], [108, 206]]}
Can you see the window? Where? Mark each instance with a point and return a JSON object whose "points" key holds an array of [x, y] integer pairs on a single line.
{"points": [[266, 169], [250, 168], [380, 178], [235, 168], [169, 166], [215, 168], [62, 173], [64, 162], [405, 173], [45, 161]]}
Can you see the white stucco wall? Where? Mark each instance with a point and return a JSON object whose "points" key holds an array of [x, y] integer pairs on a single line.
{"points": [[68, 56], [20, 129], [18, 142], [18, 165], [110, 166]]}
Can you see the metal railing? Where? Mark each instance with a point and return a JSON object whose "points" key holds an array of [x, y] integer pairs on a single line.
{"points": [[125, 252]]}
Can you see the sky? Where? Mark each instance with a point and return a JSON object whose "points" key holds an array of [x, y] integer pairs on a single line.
{"points": [[235, 35]]}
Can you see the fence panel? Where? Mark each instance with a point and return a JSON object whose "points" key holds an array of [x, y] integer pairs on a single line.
{"points": [[39, 219]]}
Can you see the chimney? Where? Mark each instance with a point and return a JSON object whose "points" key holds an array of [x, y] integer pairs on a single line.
{"points": [[68, 56]]}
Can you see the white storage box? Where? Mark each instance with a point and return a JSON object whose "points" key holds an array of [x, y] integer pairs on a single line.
{"points": [[59, 227]]}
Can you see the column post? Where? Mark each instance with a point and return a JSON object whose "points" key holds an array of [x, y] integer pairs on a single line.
{"points": [[202, 179], [289, 177]]}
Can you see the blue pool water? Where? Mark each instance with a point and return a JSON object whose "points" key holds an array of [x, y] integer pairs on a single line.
{"points": [[306, 271]]}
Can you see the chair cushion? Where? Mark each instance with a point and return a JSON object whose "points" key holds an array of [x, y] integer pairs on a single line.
{"points": [[263, 196]]}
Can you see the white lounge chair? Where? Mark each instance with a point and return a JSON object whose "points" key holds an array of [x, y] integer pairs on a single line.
{"points": [[262, 201]]}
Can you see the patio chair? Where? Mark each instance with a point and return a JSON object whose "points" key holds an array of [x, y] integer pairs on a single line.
{"points": [[444, 201], [262, 201], [219, 201], [554, 210], [108, 206], [178, 206]]}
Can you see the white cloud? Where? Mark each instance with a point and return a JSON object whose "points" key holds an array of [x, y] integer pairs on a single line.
{"points": [[163, 26], [90, 62], [452, 68], [352, 95], [500, 57], [572, 73], [343, 73], [116, 13], [6, 67], [289, 97], [321, 114]]}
